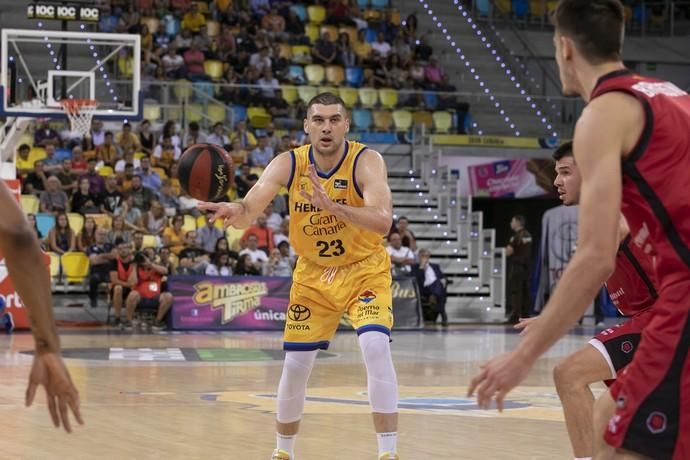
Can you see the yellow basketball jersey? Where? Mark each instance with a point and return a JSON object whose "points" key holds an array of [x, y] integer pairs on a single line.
{"points": [[320, 236]]}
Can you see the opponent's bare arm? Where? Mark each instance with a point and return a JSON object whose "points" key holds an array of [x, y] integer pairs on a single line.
{"points": [[243, 213], [607, 129], [372, 177]]}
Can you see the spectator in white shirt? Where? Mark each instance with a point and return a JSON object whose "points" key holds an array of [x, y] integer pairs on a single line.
{"points": [[261, 60], [194, 135], [273, 219], [402, 258], [381, 46], [127, 160], [257, 256], [221, 266], [218, 137]]}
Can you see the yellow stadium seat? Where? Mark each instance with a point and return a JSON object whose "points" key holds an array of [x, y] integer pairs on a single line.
{"points": [[76, 221], [383, 120], [201, 221], [54, 265], [173, 112], [351, 32], [234, 235], [316, 13], [368, 97], [152, 112], [30, 204], [106, 171], [215, 113], [335, 75], [213, 69], [371, 15], [151, 22], [350, 96], [150, 241], [189, 223], [301, 53], [285, 51], [213, 28], [402, 120], [306, 93], [139, 155], [443, 121], [537, 7], [389, 98], [394, 17], [328, 89], [183, 89], [161, 172], [289, 93], [102, 220], [332, 32], [75, 267], [202, 7], [193, 112], [312, 32], [315, 73], [422, 117], [504, 5], [258, 117]]}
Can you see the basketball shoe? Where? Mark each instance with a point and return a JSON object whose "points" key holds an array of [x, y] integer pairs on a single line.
{"points": [[389, 456], [280, 454]]}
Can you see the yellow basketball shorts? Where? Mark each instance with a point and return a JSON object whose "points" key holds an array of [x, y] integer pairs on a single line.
{"points": [[321, 295]]}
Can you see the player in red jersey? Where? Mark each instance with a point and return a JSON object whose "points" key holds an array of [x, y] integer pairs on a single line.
{"points": [[631, 144], [22, 254], [633, 291]]}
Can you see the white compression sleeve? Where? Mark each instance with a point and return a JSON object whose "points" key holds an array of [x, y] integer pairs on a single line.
{"points": [[381, 379], [293, 384]]}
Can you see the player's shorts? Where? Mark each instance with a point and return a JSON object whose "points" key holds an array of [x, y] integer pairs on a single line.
{"points": [[652, 394], [150, 303], [618, 344], [321, 295]]}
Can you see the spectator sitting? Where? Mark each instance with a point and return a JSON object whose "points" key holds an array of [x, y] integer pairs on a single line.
{"points": [[101, 259], [112, 198], [35, 181], [247, 139], [147, 292], [54, 200], [432, 283], [381, 46], [108, 151], [402, 258], [402, 227], [127, 140], [51, 164], [261, 60], [422, 52], [96, 181], [67, 177], [32, 222], [257, 256], [223, 246], [262, 234], [209, 234], [324, 50], [362, 47], [138, 241], [193, 19], [141, 196], [262, 155], [154, 219], [87, 235], [268, 85], [402, 50], [79, 164], [149, 178], [123, 277], [259, 7], [433, 73], [131, 214], [173, 64], [218, 136], [97, 133], [346, 55], [194, 62], [118, 230], [146, 139], [24, 163], [61, 237], [165, 154], [280, 111], [273, 219], [183, 41], [221, 266], [245, 266], [83, 200], [280, 262], [168, 198], [127, 160], [339, 13], [195, 256], [283, 233], [127, 178], [238, 154], [193, 136], [274, 24], [173, 236], [46, 135], [165, 260]]}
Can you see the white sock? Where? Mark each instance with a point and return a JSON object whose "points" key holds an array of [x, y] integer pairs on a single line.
{"points": [[583, 458], [287, 443], [387, 442]]}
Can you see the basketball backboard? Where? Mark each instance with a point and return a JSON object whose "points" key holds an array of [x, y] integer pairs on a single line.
{"points": [[42, 67]]}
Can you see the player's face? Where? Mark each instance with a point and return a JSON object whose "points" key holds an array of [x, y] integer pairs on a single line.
{"points": [[568, 181], [326, 126], [565, 64]]}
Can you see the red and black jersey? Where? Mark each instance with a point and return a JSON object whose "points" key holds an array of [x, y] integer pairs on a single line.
{"points": [[656, 174], [631, 286]]}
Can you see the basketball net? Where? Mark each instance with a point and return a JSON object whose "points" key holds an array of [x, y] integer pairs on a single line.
{"points": [[80, 112]]}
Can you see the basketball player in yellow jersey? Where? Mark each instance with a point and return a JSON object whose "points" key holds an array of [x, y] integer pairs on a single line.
{"points": [[340, 208]]}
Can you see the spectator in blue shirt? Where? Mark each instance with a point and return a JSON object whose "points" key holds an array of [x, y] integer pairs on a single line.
{"points": [[262, 154]]}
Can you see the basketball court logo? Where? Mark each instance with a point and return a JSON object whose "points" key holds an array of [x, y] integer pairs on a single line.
{"points": [[367, 296]]}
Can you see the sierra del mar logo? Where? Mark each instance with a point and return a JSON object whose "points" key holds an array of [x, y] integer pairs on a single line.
{"points": [[234, 299]]}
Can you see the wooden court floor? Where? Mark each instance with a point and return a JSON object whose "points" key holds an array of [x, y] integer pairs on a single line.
{"points": [[211, 396]]}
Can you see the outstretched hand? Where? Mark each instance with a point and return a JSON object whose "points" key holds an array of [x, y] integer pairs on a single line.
{"points": [[228, 213], [61, 395], [319, 198], [524, 324], [497, 377]]}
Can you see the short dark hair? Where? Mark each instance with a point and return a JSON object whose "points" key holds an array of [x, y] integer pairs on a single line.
{"points": [[24, 147], [194, 126], [596, 27], [326, 99], [521, 219], [108, 133], [565, 150]]}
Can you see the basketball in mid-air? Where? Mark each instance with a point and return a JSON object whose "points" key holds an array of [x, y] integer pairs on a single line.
{"points": [[205, 172]]}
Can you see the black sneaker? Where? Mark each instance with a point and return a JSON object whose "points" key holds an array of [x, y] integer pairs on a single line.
{"points": [[115, 322], [126, 325], [159, 326]]}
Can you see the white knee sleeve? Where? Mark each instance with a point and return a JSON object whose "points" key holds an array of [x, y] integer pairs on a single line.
{"points": [[293, 384], [381, 379]]}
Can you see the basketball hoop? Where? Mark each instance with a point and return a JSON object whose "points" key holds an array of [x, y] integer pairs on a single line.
{"points": [[80, 112]]}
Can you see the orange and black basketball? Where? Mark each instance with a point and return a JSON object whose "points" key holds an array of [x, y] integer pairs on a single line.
{"points": [[206, 172]]}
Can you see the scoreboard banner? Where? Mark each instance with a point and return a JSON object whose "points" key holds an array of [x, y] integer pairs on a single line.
{"points": [[261, 303]]}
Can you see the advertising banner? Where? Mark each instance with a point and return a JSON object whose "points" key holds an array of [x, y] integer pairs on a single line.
{"points": [[261, 303]]}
